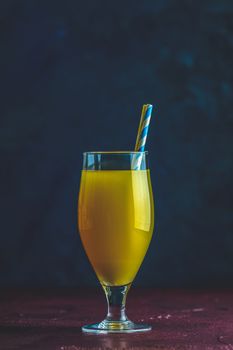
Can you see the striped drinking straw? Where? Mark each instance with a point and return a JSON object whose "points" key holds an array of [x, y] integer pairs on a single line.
{"points": [[142, 134]]}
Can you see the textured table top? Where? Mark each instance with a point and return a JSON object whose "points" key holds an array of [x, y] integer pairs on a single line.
{"points": [[51, 319]]}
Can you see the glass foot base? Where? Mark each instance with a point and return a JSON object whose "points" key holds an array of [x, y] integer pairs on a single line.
{"points": [[105, 327]]}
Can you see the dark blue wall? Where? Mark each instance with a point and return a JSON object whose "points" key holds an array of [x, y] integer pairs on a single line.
{"points": [[74, 75]]}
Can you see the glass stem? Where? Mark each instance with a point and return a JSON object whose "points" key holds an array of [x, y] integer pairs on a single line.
{"points": [[116, 298]]}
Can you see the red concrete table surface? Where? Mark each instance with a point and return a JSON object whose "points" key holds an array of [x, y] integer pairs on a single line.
{"points": [[51, 319]]}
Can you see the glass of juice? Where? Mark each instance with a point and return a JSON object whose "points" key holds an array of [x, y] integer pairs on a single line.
{"points": [[116, 219]]}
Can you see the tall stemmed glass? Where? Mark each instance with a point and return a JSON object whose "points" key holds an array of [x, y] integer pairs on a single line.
{"points": [[116, 218]]}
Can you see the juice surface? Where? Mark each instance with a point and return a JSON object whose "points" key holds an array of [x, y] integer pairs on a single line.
{"points": [[116, 218]]}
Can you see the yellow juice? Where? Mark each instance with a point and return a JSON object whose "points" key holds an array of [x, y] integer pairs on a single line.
{"points": [[116, 218]]}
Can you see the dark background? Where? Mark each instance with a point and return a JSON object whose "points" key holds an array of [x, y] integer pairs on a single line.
{"points": [[73, 77]]}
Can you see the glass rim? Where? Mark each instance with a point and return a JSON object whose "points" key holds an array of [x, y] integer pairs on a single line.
{"points": [[115, 152]]}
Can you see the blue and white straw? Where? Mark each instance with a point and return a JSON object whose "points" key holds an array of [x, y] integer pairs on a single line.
{"points": [[142, 135], [143, 128]]}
